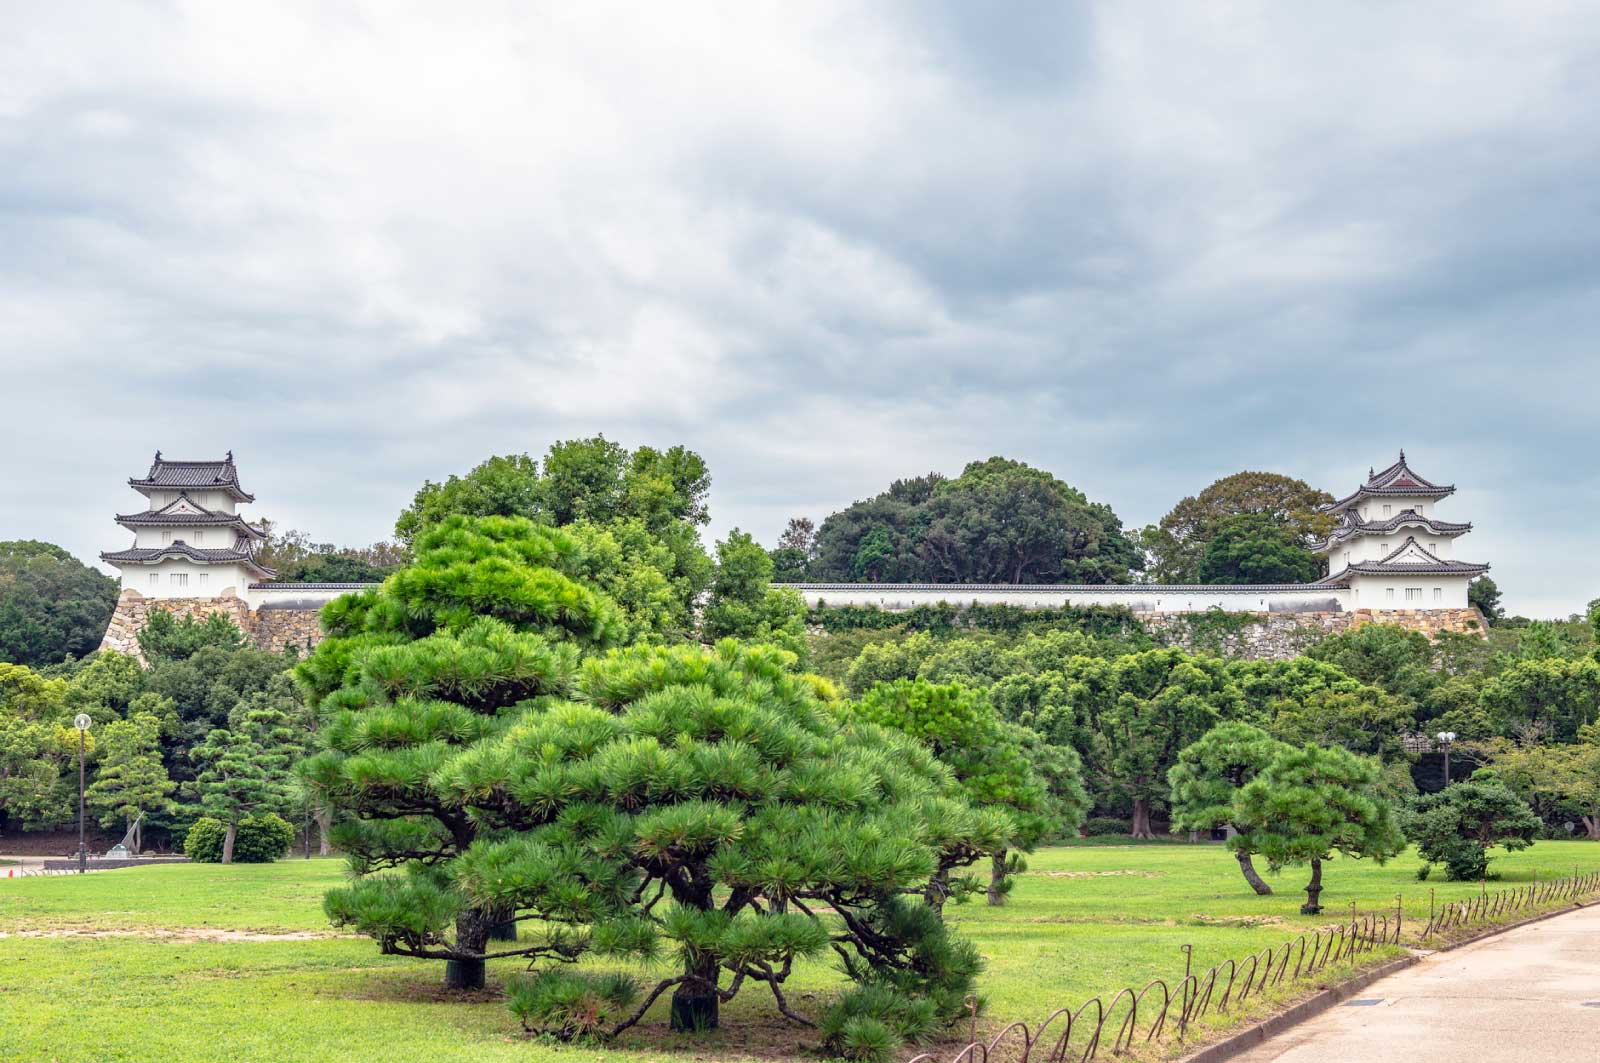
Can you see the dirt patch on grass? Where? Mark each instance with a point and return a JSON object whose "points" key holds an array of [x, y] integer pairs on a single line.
{"points": [[1242, 921], [1125, 871], [180, 934]]}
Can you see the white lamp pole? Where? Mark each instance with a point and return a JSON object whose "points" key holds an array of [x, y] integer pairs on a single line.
{"points": [[1446, 738], [81, 722]]}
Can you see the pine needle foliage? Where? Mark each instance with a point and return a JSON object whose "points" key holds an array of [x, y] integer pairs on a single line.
{"points": [[497, 761]]}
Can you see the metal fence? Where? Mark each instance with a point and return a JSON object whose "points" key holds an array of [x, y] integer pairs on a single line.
{"points": [[1488, 907], [1144, 1016]]}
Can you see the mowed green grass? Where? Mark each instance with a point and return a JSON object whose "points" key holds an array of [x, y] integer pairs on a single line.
{"points": [[202, 962]]}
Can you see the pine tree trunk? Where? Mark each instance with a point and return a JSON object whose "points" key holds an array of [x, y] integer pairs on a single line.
{"points": [[1141, 818], [227, 842], [937, 889], [1248, 868], [1313, 889], [997, 878], [503, 926], [695, 1004], [472, 935], [138, 835], [324, 820]]}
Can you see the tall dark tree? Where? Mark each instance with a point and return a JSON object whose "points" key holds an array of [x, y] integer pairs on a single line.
{"points": [[796, 551], [1178, 543], [1255, 548], [1000, 521], [52, 606]]}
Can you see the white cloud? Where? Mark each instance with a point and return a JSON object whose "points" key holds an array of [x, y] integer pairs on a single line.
{"points": [[826, 245]]}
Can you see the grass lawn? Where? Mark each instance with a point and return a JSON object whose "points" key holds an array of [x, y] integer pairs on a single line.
{"points": [[201, 962]]}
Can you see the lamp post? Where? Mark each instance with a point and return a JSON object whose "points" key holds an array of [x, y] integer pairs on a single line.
{"points": [[1445, 739], [81, 722]]}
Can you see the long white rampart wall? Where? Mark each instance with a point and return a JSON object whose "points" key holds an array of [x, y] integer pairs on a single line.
{"points": [[1138, 597]]}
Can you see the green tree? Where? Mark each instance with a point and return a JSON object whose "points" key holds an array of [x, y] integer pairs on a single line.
{"points": [[1484, 595], [995, 763], [1458, 825], [167, 637], [1177, 545], [1310, 803], [52, 606], [1544, 699], [796, 551], [1000, 521], [246, 768], [1207, 779], [1384, 655], [1159, 702], [500, 486], [130, 779], [745, 606], [1561, 782], [494, 765], [1255, 548]]}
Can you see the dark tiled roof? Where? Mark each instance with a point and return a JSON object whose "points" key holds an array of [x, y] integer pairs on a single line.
{"points": [[1431, 565], [239, 551], [212, 475], [1354, 526], [167, 516], [1398, 480]]}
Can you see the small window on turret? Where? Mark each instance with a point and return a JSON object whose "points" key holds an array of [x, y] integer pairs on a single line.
{"points": [[155, 579], [1385, 511]]}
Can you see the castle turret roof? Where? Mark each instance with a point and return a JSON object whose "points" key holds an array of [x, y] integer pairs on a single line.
{"points": [[1410, 558], [1353, 527], [185, 512], [1398, 480], [238, 552], [207, 475]]}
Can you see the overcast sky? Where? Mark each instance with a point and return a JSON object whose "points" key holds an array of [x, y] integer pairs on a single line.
{"points": [[1140, 245]]}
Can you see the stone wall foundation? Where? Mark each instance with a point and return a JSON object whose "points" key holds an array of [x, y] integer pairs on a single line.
{"points": [[270, 628]]}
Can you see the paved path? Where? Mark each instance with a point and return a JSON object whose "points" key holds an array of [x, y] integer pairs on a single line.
{"points": [[1516, 998]]}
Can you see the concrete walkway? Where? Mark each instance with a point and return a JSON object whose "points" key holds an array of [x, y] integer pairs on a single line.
{"points": [[1531, 994]]}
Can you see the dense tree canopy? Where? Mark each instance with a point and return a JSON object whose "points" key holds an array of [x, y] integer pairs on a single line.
{"points": [[1178, 544], [52, 606], [1256, 548], [494, 763], [1000, 521]]}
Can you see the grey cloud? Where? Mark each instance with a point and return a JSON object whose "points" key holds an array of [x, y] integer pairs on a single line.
{"points": [[1142, 246]]}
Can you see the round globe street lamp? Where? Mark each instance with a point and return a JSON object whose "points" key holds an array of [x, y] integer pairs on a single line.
{"points": [[1445, 739], [81, 722]]}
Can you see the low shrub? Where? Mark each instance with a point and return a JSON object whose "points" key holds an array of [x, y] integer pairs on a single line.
{"points": [[260, 840], [1100, 826]]}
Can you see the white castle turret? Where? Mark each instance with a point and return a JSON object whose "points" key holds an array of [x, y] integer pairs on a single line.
{"points": [[190, 541], [1390, 550]]}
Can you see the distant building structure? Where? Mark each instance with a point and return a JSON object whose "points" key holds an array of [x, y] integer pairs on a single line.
{"points": [[194, 554], [1390, 551], [1390, 559]]}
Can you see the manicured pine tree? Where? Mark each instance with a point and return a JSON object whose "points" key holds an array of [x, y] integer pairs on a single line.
{"points": [[490, 763], [247, 767], [1310, 803], [1207, 779], [130, 779], [1458, 825]]}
